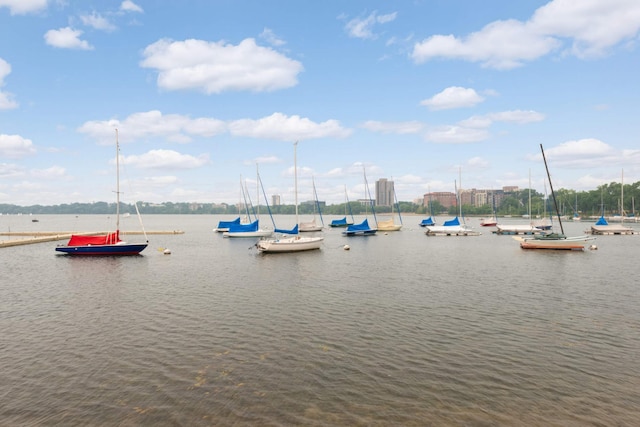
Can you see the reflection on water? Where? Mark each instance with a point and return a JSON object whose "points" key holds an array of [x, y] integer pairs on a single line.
{"points": [[403, 329]]}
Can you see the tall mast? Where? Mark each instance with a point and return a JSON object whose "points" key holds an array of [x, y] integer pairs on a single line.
{"points": [[295, 174], [553, 194], [117, 182]]}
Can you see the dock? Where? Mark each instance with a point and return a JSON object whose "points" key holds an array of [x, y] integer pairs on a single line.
{"points": [[30, 238]]}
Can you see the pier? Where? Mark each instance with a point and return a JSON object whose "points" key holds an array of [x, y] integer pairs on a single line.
{"points": [[30, 238]]}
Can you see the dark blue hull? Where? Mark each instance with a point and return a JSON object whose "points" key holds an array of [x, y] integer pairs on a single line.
{"points": [[103, 250]]}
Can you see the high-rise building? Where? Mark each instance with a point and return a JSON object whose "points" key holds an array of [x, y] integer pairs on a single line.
{"points": [[384, 192], [275, 200]]}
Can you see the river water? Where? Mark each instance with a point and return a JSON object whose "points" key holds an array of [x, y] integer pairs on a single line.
{"points": [[402, 329]]}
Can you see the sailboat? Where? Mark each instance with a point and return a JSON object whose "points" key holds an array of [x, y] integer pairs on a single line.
{"points": [[430, 220], [295, 243], [312, 225], [493, 221], [224, 225], [251, 230], [554, 240], [511, 229], [109, 243], [576, 214], [389, 224], [452, 227], [363, 229], [602, 226], [342, 222]]}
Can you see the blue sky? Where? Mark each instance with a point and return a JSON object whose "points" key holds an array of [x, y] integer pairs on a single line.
{"points": [[415, 91]]}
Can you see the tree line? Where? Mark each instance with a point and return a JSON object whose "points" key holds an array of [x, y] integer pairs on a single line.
{"points": [[606, 199]]}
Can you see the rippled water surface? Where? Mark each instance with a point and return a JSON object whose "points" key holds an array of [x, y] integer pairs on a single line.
{"points": [[402, 329]]}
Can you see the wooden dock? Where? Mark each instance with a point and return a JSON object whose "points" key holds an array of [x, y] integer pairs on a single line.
{"points": [[30, 238]]}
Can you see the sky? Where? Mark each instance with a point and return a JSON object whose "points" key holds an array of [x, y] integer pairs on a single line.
{"points": [[432, 94]]}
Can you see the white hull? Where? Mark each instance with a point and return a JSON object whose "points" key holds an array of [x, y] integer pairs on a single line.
{"points": [[568, 243], [450, 230], [259, 233], [290, 244], [309, 226], [612, 229], [517, 229]]}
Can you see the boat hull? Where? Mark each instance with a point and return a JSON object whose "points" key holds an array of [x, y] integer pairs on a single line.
{"points": [[247, 234], [569, 243], [289, 244], [450, 230], [103, 250]]}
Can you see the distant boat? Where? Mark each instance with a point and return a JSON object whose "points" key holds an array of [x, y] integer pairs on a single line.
{"points": [[295, 243], [312, 225], [342, 222], [511, 229], [493, 221], [556, 241], [105, 244], [390, 224], [430, 220], [453, 227], [603, 227], [252, 229], [363, 229]]}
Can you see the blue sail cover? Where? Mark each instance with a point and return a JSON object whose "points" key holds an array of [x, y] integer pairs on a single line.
{"points": [[428, 221], [227, 224], [454, 221], [341, 221], [363, 226], [240, 228], [602, 221], [294, 230]]}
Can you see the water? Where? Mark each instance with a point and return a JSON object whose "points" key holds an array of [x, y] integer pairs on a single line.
{"points": [[403, 329]]}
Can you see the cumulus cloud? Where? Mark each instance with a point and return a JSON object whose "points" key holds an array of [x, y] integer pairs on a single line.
{"points": [[97, 21], [456, 135], [453, 97], [15, 146], [585, 153], [287, 128], [152, 124], [590, 26], [6, 99], [513, 116], [129, 6], [215, 67], [166, 160], [270, 37], [401, 128], [362, 28], [23, 7], [49, 173], [66, 38]]}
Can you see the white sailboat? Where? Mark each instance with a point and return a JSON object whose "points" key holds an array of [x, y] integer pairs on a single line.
{"points": [[295, 243], [453, 227], [251, 230], [557, 241], [511, 229], [309, 226]]}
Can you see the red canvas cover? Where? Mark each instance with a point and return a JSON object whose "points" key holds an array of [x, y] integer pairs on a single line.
{"points": [[104, 239]]}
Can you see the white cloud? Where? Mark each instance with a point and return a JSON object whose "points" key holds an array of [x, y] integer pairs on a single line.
{"points": [[591, 25], [456, 135], [215, 67], [15, 146], [166, 160], [129, 6], [453, 97], [6, 101], [513, 116], [8, 170], [401, 128], [49, 173], [287, 128], [22, 7], [362, 28], [270, 37], [97, 21], [66, 38], [173, 127]]}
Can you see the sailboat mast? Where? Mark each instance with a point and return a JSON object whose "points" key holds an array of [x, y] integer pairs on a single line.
{"points": [[295, 173], [553, 194], [117, 183]]}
